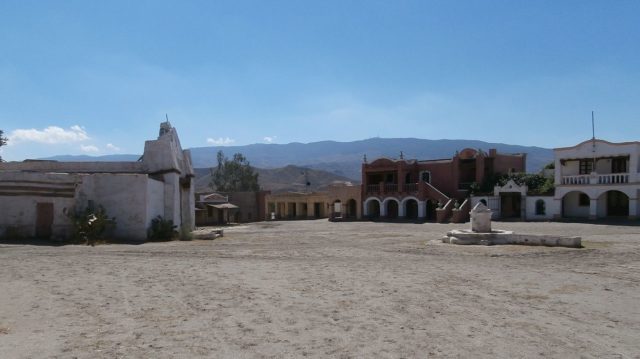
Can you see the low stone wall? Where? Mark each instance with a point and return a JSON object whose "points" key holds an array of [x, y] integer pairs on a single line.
{"points": [[508, 237], [442, 214]]}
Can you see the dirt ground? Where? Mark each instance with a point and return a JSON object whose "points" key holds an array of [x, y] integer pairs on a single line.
{"points": [[321, 289]]}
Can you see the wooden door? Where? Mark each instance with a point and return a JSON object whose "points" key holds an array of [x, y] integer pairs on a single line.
{"points": [[44, 220], [510, 205]]}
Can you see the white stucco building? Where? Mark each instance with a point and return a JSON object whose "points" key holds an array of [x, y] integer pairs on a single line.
{"points": [[593, 179], [513, 201], [597, 179], [35, 196]]}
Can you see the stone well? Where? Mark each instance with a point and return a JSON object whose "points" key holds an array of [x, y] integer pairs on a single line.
{"points": [[481, 233]]}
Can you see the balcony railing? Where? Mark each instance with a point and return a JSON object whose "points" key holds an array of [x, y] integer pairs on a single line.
{"points": [[411, 187], [579, 179], [613, 178], [610, 178], [390, 187]]}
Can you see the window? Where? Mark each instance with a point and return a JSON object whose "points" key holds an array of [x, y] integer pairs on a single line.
{"points": [[586, 167], [407, 178], [583, 200], [389, 178], [540, 208], [425, 176], [619, 165]]}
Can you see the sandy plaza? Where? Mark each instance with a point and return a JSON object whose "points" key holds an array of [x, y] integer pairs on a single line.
{"points": [[320, 289]]}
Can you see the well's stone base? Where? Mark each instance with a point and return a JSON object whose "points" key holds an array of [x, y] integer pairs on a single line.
{"points": [[461, 236]]}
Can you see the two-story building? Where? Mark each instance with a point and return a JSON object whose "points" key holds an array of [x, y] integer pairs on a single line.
{"points": [[414, 189], [597, 179]]}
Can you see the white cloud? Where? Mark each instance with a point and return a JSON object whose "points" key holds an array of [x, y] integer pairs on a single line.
{"points": [[220, 141], [89, 148], [112, 147], [49, 135], [269, 139]]}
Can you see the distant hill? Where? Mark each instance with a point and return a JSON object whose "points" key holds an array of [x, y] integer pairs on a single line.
{"points": [[86, 158], [289, 178], [343, 158]]}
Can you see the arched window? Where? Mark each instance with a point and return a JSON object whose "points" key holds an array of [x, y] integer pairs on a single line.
{"points": [[540, 208], [483, 201], [425, 176]]}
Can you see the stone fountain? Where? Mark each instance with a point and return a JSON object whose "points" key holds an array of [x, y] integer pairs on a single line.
{"points": [[482, 233]]}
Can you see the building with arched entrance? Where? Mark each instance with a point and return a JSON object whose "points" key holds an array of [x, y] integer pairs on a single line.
{"points": [[341, 200], [413, 189], [593, 179], [598, 179]]}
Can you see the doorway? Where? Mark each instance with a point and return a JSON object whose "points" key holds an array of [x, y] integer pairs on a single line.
{"points": [[44, 220], [617, 204], [510, 205]]}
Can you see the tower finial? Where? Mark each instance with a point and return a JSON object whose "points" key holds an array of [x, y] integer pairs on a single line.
{"points": [[593, 140], [593, 125]]}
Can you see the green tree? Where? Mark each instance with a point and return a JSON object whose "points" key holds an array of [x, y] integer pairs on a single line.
{"points": [[536, 183], [233, 175], [3, 141]]}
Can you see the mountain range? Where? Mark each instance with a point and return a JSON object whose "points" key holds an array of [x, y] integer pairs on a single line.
{"points": [[341, 158]]}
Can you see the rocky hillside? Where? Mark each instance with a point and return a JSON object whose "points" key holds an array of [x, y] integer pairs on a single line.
{"points": [[289, 178]]}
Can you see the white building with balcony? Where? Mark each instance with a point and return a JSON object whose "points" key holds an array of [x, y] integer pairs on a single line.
{"points": [[598, 179]]}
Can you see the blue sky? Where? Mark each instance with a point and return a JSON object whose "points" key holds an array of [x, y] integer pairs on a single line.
{"points": [[97, 77]]}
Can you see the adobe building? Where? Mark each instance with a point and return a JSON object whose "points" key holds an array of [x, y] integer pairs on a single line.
{"points": [[341, 201], [37, 196], [234, 207], [431, 189]]}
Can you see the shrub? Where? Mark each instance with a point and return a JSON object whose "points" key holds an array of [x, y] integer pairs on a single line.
{"points": [[90, 225], [536, 183], [162, 230]]}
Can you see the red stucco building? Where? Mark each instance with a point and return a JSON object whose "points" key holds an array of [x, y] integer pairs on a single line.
{"points": [[412, 189]]}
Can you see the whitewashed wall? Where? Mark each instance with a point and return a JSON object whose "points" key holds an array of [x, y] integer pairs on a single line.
{"points": [[493, 203], [155, 200], [123, 196], [572, 209], [18, 204], [20, 214], [172, 201], [552, 208]]}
